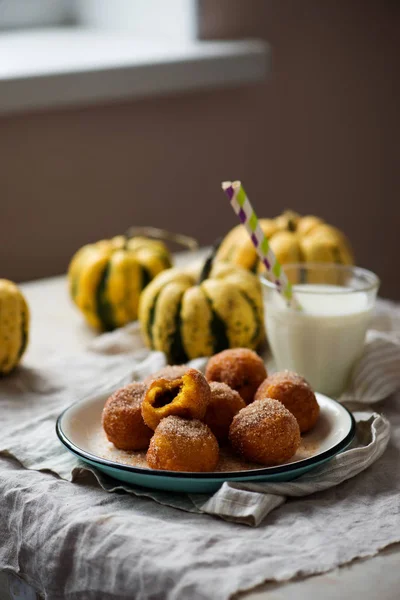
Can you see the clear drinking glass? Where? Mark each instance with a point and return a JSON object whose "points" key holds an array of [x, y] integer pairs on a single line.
{"points": [[323, 341]]}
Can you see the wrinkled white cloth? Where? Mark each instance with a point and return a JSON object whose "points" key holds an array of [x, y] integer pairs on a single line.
{"points": [[75, 541]]}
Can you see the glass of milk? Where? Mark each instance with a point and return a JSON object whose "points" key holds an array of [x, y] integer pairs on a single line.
{"points": [[324, 340]]}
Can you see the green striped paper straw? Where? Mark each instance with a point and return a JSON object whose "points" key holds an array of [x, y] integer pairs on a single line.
{"points": [[244, 210]]}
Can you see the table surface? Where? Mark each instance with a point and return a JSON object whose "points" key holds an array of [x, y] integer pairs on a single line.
{"points": [[56, 324]]}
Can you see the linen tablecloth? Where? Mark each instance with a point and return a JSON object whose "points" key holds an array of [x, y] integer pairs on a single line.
{"points": [[78, 541]]}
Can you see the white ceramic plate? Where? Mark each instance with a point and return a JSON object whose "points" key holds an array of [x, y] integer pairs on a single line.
{"points": [[79, 429]]}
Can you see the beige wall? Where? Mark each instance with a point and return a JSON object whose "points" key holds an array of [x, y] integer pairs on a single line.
{"points": [[319, 136]]}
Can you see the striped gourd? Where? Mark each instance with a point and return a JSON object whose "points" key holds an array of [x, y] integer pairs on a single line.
{"points": [[187, 316], [106, 278], [14, 325], [292, 238]]}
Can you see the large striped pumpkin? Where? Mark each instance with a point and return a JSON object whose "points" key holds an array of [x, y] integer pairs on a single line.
{"points": [[187, 316], [106, 278], [14, 325]]}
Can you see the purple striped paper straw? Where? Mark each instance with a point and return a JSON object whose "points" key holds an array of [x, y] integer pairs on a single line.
{"points": [[244, 210]]}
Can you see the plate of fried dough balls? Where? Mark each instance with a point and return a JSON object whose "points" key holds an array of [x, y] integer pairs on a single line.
{"points": [[184, 430]]}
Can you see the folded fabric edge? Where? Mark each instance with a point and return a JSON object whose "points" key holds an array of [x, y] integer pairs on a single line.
{"points": [[250, 503], [108, 484], [228, 503]]}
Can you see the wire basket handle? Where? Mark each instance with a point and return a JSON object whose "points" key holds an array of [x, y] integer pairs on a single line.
{"points": [[164, 235]]}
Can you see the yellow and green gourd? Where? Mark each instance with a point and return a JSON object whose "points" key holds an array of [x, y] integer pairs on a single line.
{"points": [[293, 239], [106, 278], [187, 315], [14, 326]]}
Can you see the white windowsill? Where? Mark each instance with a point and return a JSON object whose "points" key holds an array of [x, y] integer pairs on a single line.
{"points": [[61, 67]]}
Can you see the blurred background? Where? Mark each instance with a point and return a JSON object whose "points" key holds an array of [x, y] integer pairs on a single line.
{"points": [[317, 134]]}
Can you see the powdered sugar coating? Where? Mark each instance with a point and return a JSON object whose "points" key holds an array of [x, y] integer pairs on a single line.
{"points": [[222, 390], [129, 395], [183, 428], [288, 376]]}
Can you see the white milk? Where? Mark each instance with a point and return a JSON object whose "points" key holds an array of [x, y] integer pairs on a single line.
{"points": [[323, 341]]}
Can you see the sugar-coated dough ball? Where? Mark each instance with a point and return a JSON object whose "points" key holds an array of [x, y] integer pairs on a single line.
{"points": [[225, 403], [265, 432], [183, 445], [295, 393], [240, 368], [186, 396], [122, 418]]}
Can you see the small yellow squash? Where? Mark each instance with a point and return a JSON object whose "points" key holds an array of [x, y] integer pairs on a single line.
{"points": [[187, 315], [293, 239], [14, 325], [106, 278]]}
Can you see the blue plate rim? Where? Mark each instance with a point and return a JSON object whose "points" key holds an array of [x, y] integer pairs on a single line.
{"points": [[286, 468]]}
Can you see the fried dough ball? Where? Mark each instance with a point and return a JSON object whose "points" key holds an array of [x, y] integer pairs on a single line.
{"points": [[240, 368], [295, 393], [183, 445], [169, 372], [122, 418], [265, 432], [187, 396], [225, 403]]}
